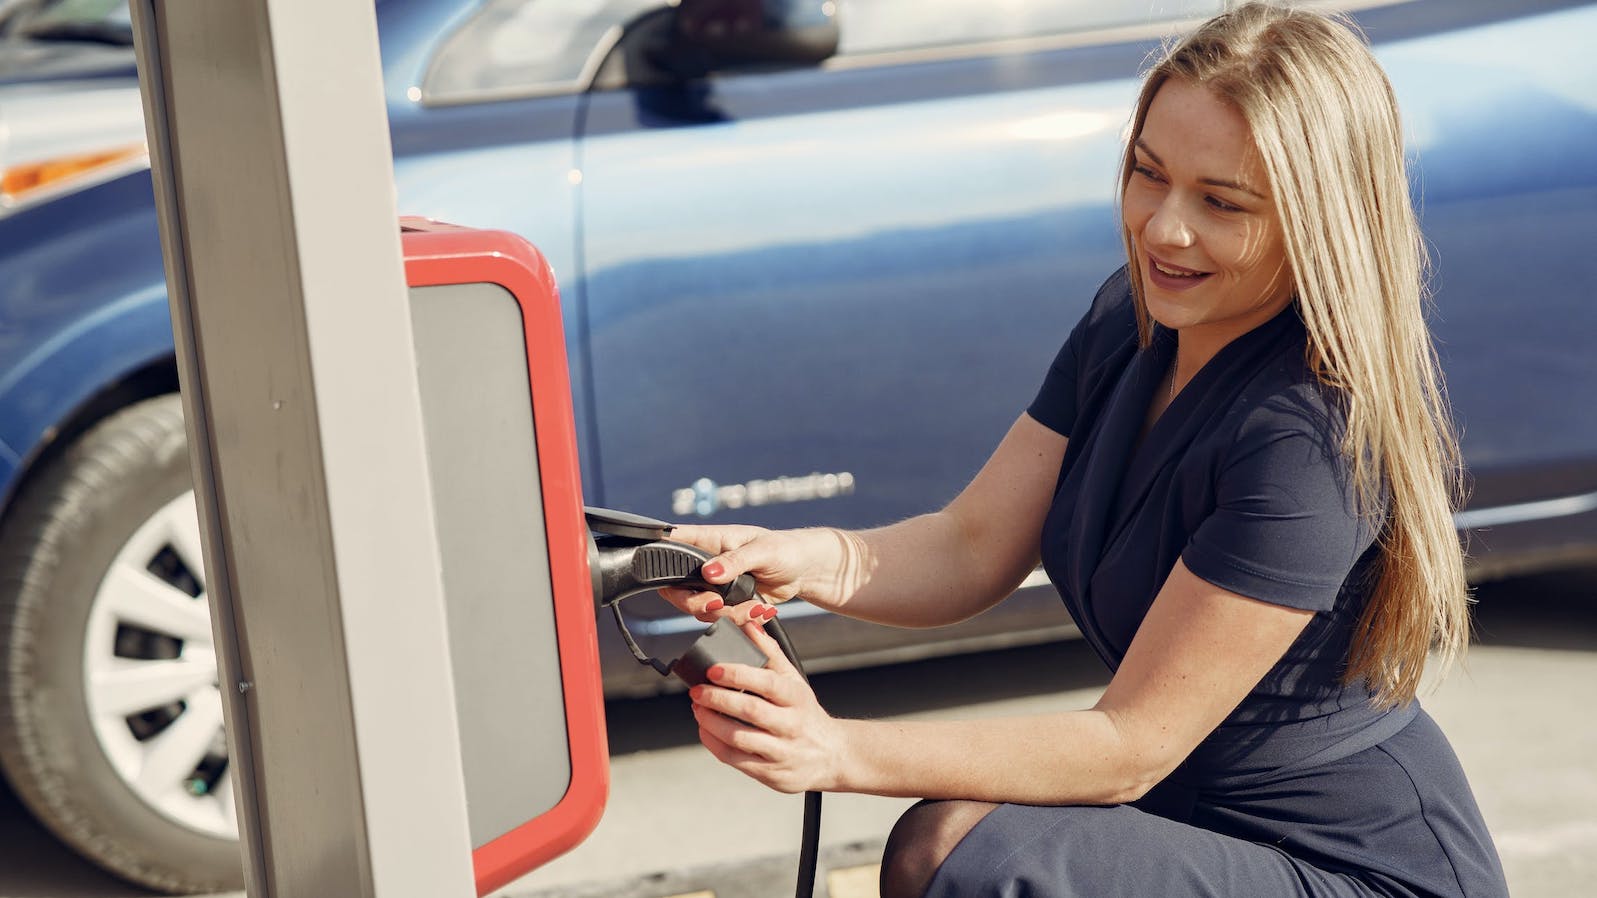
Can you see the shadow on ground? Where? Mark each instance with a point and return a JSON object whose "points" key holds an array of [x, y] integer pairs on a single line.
{"points": [[33, 864], [1547, 611]]}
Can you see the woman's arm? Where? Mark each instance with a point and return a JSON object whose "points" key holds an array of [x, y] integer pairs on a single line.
{"points": [[927, 571], [1197, 654]]}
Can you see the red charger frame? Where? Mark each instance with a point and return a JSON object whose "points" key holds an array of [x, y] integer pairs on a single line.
{"points": [[439, 254]]}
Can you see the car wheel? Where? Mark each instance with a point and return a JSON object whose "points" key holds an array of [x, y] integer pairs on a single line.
{"points": [[110, 717]]}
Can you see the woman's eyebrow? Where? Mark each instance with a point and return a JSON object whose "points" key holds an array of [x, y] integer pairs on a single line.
{"points": [[1215, 182]]}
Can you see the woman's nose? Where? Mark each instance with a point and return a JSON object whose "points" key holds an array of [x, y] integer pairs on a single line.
{"points": [[1167, 226]]}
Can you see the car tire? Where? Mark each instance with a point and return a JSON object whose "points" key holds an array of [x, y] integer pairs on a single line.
{"points": [[86, 772]]}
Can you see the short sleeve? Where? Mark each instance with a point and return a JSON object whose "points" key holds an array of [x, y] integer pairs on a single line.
{"points": [[1057, 399], [1055, 405], [1285, 528]]}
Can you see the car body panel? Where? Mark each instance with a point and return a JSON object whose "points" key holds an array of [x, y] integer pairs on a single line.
{"points": [[865, 267], [46, 120], [83, 305], [875, 308], [459, 164], [1503, 122]]}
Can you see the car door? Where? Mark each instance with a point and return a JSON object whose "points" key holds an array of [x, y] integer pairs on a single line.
{"points": [[822, 295], [484, 101], [1499, 104]]}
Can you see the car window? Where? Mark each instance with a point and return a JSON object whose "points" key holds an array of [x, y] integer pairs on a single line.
{"points": [[524, 47], [107, 21], [875, 26]]}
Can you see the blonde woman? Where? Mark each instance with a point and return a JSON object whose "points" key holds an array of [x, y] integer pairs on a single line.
{"points": [[1238, 472]]}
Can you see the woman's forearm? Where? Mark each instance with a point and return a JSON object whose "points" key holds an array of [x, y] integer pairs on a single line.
{"points": [[1078, 757], [928, 571]]}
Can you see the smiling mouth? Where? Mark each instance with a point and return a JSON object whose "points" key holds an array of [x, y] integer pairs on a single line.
{"points": [[1175, 271]]}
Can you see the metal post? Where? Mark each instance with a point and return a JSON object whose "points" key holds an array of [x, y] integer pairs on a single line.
{"points": [[274, 182]]}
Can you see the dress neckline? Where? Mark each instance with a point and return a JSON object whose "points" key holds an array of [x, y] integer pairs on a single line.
{"points": [[1115, 472]]}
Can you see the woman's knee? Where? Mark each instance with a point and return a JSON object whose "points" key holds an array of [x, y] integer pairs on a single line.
{"points": [[922, 839]]}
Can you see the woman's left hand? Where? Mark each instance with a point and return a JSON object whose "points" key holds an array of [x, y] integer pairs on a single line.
{"points": [[767, 723]]}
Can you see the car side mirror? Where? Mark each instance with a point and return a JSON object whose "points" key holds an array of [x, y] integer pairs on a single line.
{"points": [[712, 35]]}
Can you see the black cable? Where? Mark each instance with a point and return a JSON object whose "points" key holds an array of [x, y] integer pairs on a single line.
{"points": [[659, 666], [810, 842]]}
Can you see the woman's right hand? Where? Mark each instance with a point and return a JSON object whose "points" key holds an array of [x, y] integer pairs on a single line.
{"points": [[783, 562]]}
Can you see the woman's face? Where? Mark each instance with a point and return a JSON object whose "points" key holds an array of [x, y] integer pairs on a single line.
{"points": [[1201, 218]]}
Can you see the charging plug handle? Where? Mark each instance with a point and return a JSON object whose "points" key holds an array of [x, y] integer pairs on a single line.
{"points": [[627, 566]]}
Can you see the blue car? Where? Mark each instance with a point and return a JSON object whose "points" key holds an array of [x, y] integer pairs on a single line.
{"points": [[861, 257]]}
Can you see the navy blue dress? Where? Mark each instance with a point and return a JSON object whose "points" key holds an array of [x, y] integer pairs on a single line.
{"points": [[1305, 789]]}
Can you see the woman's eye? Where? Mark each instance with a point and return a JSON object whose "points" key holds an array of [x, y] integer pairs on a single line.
{"points": [[1222, 205], [1146, 172]]}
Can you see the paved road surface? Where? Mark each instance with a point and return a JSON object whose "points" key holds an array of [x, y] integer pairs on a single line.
{"points": [[1520, 717]]}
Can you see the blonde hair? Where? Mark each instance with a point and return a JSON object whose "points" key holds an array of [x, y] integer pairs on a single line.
{"points": [[1325, 122]]}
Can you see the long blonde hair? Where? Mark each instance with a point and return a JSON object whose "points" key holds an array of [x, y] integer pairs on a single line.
{"points": [[1325, 122]]}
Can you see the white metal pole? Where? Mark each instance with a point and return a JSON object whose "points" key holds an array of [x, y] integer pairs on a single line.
{"points": [[274, 182]]}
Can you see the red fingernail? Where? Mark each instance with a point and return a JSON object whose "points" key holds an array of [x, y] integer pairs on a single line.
{"points": [[714, 605], [713, 570], [696, 692], [715, 672]]}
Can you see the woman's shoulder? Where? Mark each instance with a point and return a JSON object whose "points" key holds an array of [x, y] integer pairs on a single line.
{"points": [[1111, 320], [1112, 306], [1283, 399]]}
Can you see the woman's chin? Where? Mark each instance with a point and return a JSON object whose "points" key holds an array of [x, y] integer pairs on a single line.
{"points": [[1168, 313]]}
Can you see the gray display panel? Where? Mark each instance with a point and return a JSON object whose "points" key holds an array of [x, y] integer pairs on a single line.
{"points": [[471, 360]]}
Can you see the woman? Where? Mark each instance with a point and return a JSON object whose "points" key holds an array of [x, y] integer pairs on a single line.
{"points": [[1238, 472]]}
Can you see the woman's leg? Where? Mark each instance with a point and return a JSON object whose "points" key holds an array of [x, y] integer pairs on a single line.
{"points": [[922, 839], [1022, 851]]}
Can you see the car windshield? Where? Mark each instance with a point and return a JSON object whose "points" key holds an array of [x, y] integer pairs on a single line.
{"points": [[98, 21]]}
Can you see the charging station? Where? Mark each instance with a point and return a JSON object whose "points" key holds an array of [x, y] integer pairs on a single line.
{"points": [[518, 592], [400, 569], [385, 474]]}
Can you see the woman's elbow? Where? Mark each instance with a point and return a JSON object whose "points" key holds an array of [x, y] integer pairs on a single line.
{"points": [[1120, 782], [1133, 786], [1143, 763]]}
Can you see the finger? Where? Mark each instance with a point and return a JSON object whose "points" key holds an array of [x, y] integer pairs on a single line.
{"points": [[741, 761], [748, 707], [706, 606], [737, 734], [710, 539], [776, 661], [753, 555], [761, 681], [715, 538], [744, 614], [788, 688]]}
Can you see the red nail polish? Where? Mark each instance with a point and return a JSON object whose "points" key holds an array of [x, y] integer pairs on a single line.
{"points": [[696, 692], [713, 570], [715, 672], [714, 605]]}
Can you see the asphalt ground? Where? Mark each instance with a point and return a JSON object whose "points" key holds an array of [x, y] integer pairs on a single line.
{"points": [[679, 824]]}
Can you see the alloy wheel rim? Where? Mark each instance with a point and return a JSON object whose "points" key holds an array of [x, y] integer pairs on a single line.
{"points": [[150, 674]]}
